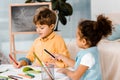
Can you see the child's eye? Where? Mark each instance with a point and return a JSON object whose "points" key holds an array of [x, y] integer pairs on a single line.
{"points": [[41, 28]]}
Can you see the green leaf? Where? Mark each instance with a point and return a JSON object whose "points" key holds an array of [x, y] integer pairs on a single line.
{"points": [[52, 0], [63, 1], [55, 5], [28, 1], [59, 0], [66, 9], [62, 19], [41, 0]]}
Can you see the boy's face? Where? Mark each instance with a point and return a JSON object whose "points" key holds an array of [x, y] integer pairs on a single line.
{"points": [[44, 30]]}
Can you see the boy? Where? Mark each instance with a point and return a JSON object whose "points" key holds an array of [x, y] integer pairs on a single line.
{"points": [[45, 20]]}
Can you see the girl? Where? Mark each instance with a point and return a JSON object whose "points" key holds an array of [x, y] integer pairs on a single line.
{"points": [[87, 63]]}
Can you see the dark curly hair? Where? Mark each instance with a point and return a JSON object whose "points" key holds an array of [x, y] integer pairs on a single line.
{"points": [[93, 31]]}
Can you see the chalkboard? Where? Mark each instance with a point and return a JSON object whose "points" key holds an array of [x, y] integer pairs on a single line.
{"points": [[22, 16]]}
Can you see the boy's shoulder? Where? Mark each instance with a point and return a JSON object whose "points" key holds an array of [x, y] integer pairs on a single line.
{"points": [[37, 39], [58, 36], [55, 36]]}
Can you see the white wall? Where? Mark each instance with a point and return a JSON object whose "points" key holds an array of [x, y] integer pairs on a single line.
{"points": [[104, 6]]}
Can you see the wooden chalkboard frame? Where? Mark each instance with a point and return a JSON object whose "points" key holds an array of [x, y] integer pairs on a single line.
{"points": [[21, 16]]}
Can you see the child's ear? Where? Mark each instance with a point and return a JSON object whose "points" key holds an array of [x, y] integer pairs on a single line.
{"points": [[52, 26], [84, 41]]}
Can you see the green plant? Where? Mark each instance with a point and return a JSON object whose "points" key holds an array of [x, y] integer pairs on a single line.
{"points": [[61, 6]]}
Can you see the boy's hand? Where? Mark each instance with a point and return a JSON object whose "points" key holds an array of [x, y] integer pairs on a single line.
{"points": [[15, 63], [17, 66], [20, 64]]}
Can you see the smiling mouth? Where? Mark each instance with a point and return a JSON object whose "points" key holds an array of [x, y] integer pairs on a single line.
{"points": [[39, 33]]}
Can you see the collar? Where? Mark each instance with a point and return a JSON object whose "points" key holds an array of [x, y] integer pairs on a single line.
{"points": [[48, 37]]}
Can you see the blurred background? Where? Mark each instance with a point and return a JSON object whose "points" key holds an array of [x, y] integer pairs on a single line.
{"points": [[81, 10]]}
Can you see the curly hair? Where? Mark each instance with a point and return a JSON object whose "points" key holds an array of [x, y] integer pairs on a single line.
{"points": [[93, 31]]}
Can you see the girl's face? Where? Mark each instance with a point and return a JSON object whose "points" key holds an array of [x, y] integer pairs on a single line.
{"points": [[81, 42], [44, 30]]}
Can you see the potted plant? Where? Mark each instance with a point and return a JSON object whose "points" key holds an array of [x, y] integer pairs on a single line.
{"points": [[61, 6]]}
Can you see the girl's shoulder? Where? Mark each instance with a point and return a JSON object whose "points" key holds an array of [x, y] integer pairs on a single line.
{"points": [[90, 50]]}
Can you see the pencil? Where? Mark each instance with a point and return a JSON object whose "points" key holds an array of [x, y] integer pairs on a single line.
{"points": [[43, 67], [49, 53], [38, 59], [15, 76], [48, 70], [24, 75], [12, 78], [13, 59]]}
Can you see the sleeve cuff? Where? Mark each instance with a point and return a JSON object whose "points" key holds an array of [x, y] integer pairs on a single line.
{"points": [[26, 59]]}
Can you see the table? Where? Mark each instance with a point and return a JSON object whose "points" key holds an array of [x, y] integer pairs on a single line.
{"points": [[11, 70]]}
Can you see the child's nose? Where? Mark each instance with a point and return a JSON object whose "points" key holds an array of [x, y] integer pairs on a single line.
{"points": [[38, 30]]}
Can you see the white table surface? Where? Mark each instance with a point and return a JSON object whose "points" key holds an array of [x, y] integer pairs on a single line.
{"points": [[14, 71]]}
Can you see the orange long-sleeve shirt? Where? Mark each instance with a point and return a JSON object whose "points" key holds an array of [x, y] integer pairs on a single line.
{"points": [[54, 44]]}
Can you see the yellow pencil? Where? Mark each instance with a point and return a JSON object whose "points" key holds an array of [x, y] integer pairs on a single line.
{"points": [[43, 66]]}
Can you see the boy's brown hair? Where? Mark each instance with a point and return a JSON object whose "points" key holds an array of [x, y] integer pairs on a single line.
{"points": [[44, 15]]}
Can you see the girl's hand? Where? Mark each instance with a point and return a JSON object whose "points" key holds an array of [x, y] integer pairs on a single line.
{"points": [[62, 70], [59, 57], [52, 62]]}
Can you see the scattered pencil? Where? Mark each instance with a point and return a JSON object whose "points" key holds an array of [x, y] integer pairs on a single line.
{"points": [[12, 76], [25, 76]]}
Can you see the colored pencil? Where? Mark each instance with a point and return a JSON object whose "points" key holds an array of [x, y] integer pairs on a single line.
{"points": [[13, 59], [48, 73], [49, 53]]}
